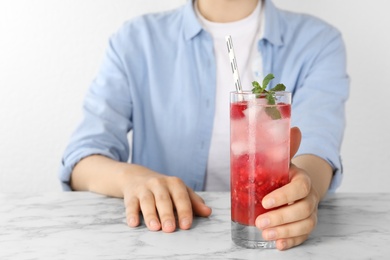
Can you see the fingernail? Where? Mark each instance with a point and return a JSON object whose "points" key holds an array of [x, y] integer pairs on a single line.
{"points": [[264, 222], [269, 203], [185, 222], [271, 234], [153, 224], [131, 222], [168, 224], [283, 245]]}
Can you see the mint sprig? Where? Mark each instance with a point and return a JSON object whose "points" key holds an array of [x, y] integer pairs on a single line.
{"points": [[273, 112]]}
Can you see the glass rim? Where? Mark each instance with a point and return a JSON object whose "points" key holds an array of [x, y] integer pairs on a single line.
{"points": [[249, 92]]}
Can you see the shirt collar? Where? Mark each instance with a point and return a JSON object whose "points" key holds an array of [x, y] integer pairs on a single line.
{"points": [[271, 30], [191, 24], [272, 26]]}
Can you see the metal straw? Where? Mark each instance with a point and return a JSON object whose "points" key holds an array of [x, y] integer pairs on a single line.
{"points": [[233, 63]]}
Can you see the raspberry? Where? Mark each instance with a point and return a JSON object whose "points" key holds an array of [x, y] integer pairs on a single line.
{"points": [[250, 184], [236, 110], [285, 110]]}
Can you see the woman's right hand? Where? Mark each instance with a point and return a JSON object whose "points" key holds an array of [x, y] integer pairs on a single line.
{"points": [[158, 197]]}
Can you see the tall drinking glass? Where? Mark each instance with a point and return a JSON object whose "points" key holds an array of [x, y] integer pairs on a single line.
{"points": [[259, 159]]}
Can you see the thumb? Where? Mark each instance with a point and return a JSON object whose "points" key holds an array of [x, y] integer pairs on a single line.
{"points": [[295, 140]]}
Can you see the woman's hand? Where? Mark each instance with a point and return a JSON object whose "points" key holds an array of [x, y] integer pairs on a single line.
{"points": [[296, 203], [291, 224], [158, 197]]}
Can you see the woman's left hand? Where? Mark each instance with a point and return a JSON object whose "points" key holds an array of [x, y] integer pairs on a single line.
{"points": [[291, 224]]}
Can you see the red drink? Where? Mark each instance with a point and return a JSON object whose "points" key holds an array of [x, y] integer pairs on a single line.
{"points": [[260, 154]]}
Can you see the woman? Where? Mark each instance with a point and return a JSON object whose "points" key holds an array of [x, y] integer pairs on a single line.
{"points": [[166, 78]]}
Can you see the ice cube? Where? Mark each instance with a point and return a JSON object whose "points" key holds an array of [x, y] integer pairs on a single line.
{"points": [[239, 148], [277, 131], [254, 110], [278, 153], [251, 113], [239, 130]]}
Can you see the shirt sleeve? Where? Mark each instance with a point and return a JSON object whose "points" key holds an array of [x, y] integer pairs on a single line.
{"points": [[319, 103], [107, 111]]}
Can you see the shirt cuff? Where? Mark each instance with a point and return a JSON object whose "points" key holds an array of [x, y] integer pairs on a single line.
{"points": [[70, 162]]}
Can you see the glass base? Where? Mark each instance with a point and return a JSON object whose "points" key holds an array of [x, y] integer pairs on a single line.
{"points": [[249, 237]]}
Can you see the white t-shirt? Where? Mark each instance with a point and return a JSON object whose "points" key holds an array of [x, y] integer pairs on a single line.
{"points": [[245, 34]]}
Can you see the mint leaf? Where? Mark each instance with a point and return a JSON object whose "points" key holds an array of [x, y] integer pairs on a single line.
{"points": [[271, 111], [267, 79], [270, 98], [256, 87], [279, 87]]}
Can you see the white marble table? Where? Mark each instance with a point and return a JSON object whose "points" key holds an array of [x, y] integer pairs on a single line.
{"points": [[81, 225]]}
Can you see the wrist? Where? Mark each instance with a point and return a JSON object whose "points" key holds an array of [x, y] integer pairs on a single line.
{"points": [[126, 174]]}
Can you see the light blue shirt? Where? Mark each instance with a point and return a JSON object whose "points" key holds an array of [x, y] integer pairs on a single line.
{"points": [[158, 80]]}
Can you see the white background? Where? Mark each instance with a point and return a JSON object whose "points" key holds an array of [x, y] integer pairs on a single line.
{"points": [[50, 51]]}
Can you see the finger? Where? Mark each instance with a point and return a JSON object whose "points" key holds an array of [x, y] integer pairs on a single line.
{"points": [[164, 208], [198, 206], [298, 188], [294, 229], [132, 211], [181, 201], [293, 213], [295, 140], [284, 244], [148, 208]]}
